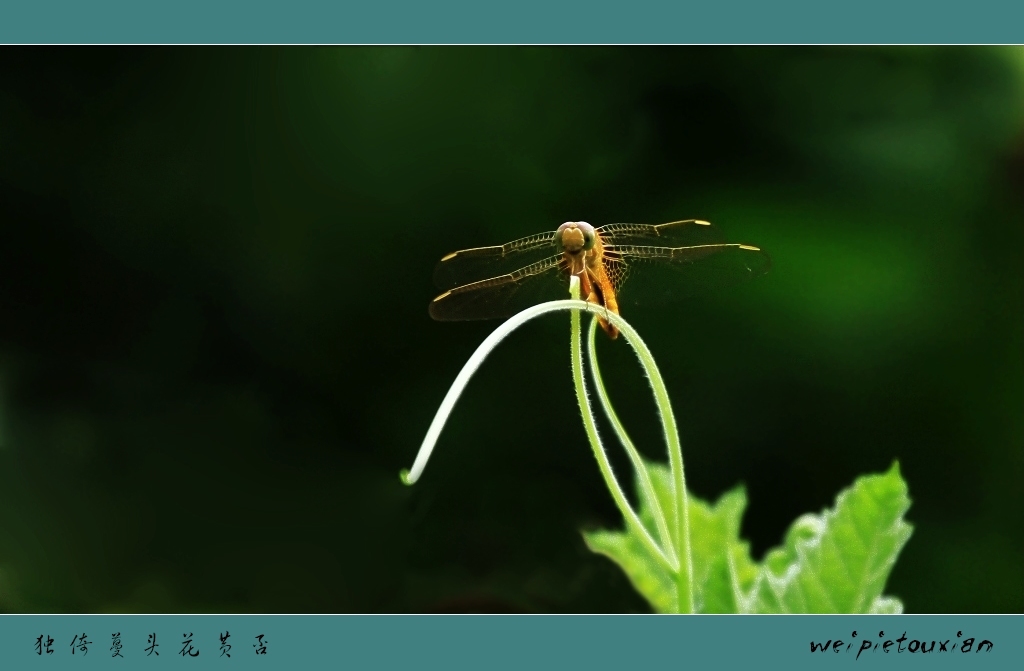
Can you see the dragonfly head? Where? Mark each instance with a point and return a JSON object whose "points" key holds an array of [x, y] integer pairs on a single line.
{"points": [[575, 236]]}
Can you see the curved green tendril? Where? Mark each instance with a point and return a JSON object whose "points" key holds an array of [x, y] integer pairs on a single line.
{"points": [[643, 476], [677, 538], [590, 426]]}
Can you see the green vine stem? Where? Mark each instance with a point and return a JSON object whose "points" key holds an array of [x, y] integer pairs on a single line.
{"points": [[677, 538], [410, 476], [634, 457], [681, 536], [590, 426]]}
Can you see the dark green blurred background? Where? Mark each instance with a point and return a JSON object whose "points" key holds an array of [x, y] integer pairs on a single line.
{"points": [[215, 354]]}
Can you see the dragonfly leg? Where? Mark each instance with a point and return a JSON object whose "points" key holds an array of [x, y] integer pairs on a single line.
{"points": [[610, 329], [601, 293]]}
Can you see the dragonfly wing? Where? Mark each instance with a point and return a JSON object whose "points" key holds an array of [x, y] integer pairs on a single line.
{"points": [[685, 233], [504, 295], [649, 275], [481, 263]]}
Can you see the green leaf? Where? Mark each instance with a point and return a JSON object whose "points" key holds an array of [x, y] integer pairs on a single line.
{"points": [[648, 576], [836, 562], [723, 572]]}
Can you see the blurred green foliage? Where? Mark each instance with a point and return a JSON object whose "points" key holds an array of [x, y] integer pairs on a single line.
{"points": [[215, 353]]}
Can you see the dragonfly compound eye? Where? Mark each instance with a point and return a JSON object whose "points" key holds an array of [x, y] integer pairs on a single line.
{"points": [[574, 236]]}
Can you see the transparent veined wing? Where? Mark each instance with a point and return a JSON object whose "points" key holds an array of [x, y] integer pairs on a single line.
{"points": [[654, 264], [684, 233], [647, 264], [504, 295], [480, 263]]}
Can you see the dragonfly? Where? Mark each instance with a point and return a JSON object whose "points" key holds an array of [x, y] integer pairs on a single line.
{"points": [[617, 264]]}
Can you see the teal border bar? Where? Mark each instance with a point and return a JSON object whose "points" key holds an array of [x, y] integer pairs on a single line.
{"points": [[501, 642], [521, 22]]}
